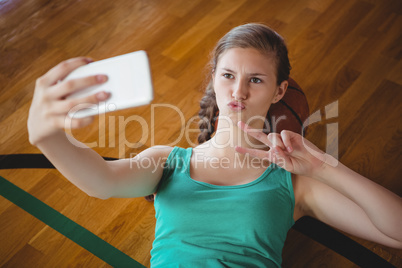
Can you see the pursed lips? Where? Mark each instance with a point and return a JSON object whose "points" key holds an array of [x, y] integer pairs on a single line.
{"points": [[236, 105]]}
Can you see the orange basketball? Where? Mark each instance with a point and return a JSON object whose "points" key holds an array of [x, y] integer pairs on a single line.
{"points": [[290, 112]]}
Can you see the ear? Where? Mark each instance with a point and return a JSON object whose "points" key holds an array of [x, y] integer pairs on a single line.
{"points": [[212, 81], [280, 91]]}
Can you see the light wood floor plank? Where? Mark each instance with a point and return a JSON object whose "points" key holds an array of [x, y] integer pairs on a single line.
{"points": [[345, 51]]}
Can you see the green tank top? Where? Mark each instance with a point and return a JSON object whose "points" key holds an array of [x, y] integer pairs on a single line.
{"points": [[204, 225]]}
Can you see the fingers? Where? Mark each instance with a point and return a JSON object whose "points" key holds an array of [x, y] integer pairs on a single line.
{"points": [[282, 159], [272, 139], [65, 106], [276, 140], [283, 140], [255, 133], [71, 123], [287, 144], [280, 145], [66, 88], [275, 156], [60, 71]]}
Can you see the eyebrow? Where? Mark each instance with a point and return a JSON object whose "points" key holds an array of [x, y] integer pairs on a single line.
{"points": [[252, 74]]}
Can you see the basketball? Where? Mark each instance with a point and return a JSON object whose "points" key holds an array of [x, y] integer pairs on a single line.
{"points": [[290, 112]]}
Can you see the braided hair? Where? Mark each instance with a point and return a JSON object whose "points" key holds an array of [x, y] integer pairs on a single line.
{"points": [[208, 114], [252, 35]]}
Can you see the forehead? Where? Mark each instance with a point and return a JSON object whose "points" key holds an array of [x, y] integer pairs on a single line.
{"points": [[249, 60]]}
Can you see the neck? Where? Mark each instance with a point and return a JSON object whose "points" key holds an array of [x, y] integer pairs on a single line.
{"points": [[228, 135]]}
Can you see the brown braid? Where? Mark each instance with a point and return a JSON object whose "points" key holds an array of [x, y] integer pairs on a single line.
{"points": [[208, 114]]}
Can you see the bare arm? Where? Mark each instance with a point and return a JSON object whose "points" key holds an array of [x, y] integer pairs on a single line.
{"points": [[323, 202], [85, 168], [380, 206], [81, 165], [332, 192]]}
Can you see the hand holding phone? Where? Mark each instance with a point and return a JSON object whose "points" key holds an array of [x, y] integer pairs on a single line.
{"points": [[129, 82]]}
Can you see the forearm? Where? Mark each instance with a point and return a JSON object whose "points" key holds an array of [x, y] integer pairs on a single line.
{"points": [[79, 164], [383, 207]]}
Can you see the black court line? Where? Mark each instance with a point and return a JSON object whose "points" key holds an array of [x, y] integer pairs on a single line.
{"points": [[340, 243], [308, 226], [22, 161]]}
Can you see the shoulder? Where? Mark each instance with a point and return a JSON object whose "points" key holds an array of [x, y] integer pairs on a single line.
{"points": [[159, 151], [139, 175], [155, 156]]}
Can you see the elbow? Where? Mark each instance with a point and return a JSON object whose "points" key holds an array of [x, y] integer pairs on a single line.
{"points": [[102, 190], [394, 244], [97, 195]]}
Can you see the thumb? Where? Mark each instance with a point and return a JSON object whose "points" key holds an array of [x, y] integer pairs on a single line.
{"points": [[287, 137]]}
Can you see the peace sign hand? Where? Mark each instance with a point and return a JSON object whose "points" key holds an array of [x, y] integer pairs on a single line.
{"points": [[288, 150]]}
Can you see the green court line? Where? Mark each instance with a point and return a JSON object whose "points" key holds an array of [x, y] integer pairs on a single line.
{"points": [[65, 226]]}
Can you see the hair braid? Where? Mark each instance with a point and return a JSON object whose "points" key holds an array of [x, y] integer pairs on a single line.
{"points": [[208, 114]]}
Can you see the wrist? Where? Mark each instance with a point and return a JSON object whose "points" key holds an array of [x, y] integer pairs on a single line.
{"points": [[39, 141], [328, 166]]}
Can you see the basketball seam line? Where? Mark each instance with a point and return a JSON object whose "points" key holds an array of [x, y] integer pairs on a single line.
{"points": [[292, 111], [295, 88]]}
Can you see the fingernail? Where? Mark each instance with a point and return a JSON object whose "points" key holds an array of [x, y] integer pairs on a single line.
{"points": [[289, 149], [89, 60], [88, 119], [101, 78], [102, 95]]}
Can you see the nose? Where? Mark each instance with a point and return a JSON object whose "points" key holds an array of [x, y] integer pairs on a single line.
{"points": [[240, 90]]}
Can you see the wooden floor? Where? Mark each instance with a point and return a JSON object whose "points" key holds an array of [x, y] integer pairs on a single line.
{"points": [[344, 51]]}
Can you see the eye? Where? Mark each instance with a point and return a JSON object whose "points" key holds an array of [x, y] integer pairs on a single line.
{"points": [[255, 80], [228, 76]]}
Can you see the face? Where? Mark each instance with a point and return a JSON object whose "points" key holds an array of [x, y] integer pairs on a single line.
{"points": [[245, 85]]}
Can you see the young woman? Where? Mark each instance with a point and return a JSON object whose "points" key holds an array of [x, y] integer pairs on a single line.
{"points": [[223, 203]]}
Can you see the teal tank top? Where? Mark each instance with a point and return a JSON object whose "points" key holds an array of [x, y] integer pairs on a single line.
{"points": [[204, 225]]}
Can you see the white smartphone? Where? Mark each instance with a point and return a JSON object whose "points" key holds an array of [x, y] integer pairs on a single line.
{"points": [[129, 82]]}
